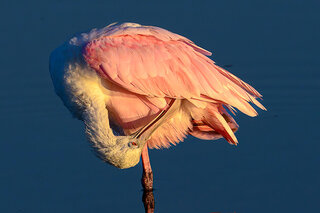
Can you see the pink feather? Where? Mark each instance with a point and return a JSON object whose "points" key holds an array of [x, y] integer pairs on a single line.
{"points": [[154, 65]]}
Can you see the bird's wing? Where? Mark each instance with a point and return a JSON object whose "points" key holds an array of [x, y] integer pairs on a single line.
{"points": [[154, 62]]}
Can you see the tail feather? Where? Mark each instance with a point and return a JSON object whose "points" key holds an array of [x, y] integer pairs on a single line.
{"points": [[220, 125], [216, 123]]}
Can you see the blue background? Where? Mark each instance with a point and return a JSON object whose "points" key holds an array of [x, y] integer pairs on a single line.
{"points": [[46, 163]]}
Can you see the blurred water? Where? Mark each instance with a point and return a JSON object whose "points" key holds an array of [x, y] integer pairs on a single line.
{"points": [[47, 166]]}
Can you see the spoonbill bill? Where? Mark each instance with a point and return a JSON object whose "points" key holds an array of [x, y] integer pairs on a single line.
{"points": [[137, 87]]}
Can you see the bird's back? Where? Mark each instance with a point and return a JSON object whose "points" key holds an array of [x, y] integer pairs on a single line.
{"points": [[139, 69]]}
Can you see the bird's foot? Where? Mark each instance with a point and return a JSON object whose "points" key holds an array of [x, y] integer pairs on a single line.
{"points": [[147, 181]]}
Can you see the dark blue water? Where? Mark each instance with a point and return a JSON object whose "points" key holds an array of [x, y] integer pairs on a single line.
{"points": [[46, 163]]}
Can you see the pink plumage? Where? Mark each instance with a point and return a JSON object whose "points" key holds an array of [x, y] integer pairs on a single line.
{"points": [[149, 66], [138, 86]]}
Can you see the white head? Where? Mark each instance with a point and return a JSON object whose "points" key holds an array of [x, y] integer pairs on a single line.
{"points": [[125, 152]]}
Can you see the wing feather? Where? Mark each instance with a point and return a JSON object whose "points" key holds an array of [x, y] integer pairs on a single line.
{"points": [[154, 62]]}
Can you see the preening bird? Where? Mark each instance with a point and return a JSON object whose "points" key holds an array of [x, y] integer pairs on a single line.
{"points": [[137, 87]]}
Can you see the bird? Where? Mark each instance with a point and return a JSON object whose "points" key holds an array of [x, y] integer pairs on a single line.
{"points": [[138, 87]]}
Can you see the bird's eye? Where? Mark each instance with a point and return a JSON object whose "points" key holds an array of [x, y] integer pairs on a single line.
{"points": [[133, 144]]}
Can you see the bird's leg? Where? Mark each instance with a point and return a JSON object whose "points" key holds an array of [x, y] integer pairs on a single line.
{"points": [[147, 175], [148, 201]]}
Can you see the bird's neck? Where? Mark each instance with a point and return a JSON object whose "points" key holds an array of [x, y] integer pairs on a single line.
{"points": [[98, 130], [86, 100], [110, 148], [85, 96]]}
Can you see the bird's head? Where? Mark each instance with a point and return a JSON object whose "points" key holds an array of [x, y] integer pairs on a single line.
{"points": [[125, 152]]}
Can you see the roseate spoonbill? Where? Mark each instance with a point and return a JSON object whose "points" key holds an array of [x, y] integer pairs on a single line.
{"points": [[137, 87]]}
